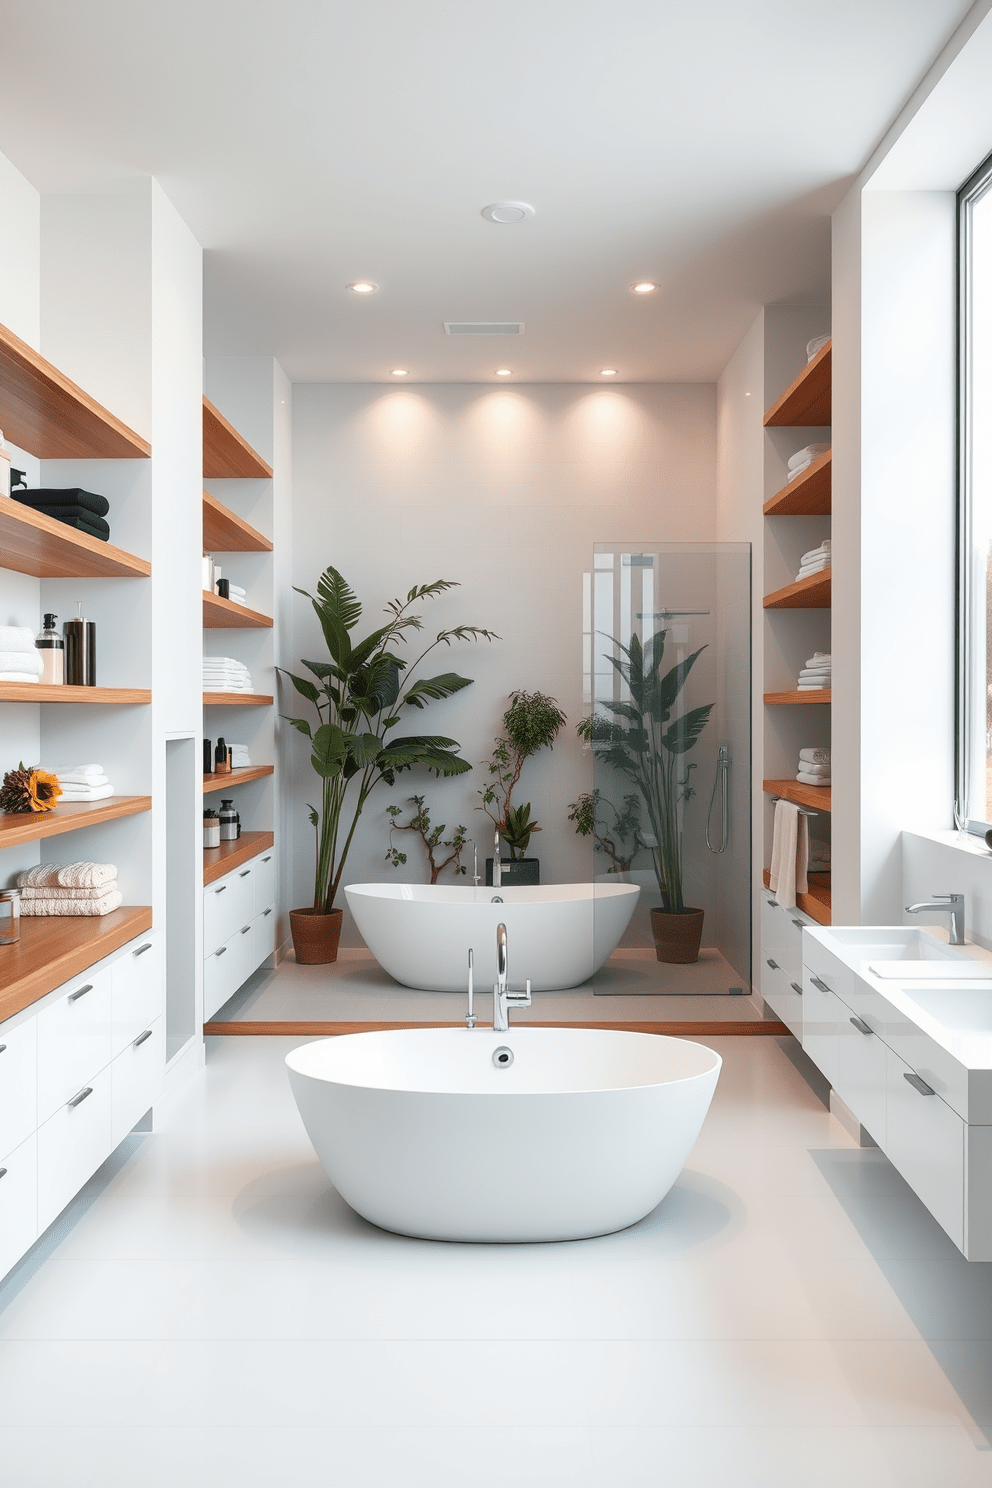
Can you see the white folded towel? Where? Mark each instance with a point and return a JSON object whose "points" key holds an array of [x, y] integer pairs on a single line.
{"points": [[92, 773], [104, 905], [67, 876], [819, 552], [226, 662], [815, 756], [17, 677], [821, 679], [86, 792], [82, 782], [99, 893], [16, 638], [807, 455], [790, 852], [28, 662], [236, 589], [813, 687], [814, 568], [817, 344], [809, 769], [819, 657], [812, 779]]}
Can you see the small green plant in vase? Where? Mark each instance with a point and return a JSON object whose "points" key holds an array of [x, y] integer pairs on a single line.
{"points": [[532, 722]]}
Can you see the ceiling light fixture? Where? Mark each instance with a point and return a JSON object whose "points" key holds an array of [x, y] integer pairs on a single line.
{"points": [[363, 287], [504, 372], [608, 372], [399, 372], [644, 286], [507, 212]]}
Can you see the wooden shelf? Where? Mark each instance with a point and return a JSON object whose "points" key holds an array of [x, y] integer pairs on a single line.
{"points": [[44, 692], [237, 777], [224, 614], [816, 902], [816, 797], [809, 495], [53, 949], [805, 404], [226, 455], [225, 532], [811, 695], [220, 860], [43, 412], [68, 816], [811, 593], [31, 543], [237, 700]]}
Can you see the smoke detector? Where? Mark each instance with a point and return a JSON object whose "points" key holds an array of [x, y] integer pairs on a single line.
{"points": [[506, 212]]}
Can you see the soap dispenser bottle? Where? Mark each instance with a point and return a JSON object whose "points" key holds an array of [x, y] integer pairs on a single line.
{"points": [[52, 650]]}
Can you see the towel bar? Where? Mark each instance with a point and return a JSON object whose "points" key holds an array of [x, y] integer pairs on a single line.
{"points": [[803, 810]]}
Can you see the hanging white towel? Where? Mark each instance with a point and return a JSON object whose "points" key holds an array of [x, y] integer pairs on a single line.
{"points": [[790, 854]]}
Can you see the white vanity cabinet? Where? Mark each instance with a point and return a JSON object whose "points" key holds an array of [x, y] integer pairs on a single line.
{"points": [[781, 961], [239, 928]]}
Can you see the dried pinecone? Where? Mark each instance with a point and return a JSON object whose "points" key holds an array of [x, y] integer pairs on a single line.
{"points": [[15, 793]]}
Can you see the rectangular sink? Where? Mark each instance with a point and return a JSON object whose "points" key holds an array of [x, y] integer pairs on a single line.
{"points": [[959, 1009], [939, 969], [893, 943]]}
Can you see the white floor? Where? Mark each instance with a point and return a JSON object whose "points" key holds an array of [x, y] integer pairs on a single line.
{"points": [[210, 1313]]}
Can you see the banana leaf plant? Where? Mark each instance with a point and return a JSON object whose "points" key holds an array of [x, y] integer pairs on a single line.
{"points": [[360, 696], [646, 743]]}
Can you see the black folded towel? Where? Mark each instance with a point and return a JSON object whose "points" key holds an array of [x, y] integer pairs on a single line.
{"points": [[45, 497], [78, 517]]}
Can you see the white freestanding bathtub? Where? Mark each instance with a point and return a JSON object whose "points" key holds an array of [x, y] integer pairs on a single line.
{"points": [[435, 1133], [558, 934]]}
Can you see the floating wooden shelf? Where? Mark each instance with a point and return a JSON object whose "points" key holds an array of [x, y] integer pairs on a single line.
{"points": [[43, 692], [225, 532], [68, 816], [805, 404], [816, 797], [220, 860], [808, 495], [236, 777], [816, 902], [43, 412], [53, 949], [224, 614], [780, 699], [811, 593], [237, 700], [226, 455], [31, 543]]}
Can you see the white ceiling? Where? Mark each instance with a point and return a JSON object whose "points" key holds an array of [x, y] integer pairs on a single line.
{"points": [[310, 143]]}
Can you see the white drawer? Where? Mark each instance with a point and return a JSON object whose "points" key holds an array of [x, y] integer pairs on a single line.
{"points": [[782, 996], [264, 880], [241, 948], [18, 1203], [862, 1072], [74, 1039], [136, 1077], [138, 983], [227, 905], [18, 1084], [772, 924], [263, 935], [71, 1146], [217, 986], [823, 1016], [924, 1139]]}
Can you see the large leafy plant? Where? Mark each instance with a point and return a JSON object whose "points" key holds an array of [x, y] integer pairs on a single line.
{"points": [[360, 696], [646, 739]]}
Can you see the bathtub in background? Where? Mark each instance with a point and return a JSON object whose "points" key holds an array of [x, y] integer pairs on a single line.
{"points": [[557, 934], [422, 1132]]}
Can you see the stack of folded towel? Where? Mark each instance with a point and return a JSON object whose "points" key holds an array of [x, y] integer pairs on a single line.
{"points": [[817, 344], [73, 889], [240, 758], [804, 458], [236, 593], [816, 673], [82, 782], [814, 766], [815, 561], [19, 660], [224, 674], [80, 509], [819, 856]]}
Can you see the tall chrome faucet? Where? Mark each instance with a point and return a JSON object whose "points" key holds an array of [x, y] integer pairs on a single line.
{"points": [[952, 904], [503, 998], [497, 865]]}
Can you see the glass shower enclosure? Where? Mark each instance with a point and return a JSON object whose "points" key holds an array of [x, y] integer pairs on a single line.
{"points": [[667, 696]]}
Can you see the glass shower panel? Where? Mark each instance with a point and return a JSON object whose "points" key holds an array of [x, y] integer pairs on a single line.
{"points": [[667, 658]]}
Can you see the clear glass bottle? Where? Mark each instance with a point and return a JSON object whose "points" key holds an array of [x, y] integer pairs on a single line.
{"points": [[52, 648]]}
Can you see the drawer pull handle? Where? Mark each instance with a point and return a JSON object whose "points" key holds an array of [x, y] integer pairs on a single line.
{"points": [[220, 950], [799, 924], [221, 890], [141, 1038], [771, 963], [142, 949], [918, 1084], [820, 986], [3, 1172], [245, 930], [797, 987], [75, 996], [861, 1025], [268, 859], [772, 903], [264, 913], [245, 874], [77, 1100], [3, 1046]]}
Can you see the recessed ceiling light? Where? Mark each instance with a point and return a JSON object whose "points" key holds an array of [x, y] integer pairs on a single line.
{"points": [[503, 372], [506, 212], [363, 286], [608, 372], [399, 372], [644, 286]]}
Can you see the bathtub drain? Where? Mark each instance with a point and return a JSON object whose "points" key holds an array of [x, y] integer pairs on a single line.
{"points": [[502, 1057]]}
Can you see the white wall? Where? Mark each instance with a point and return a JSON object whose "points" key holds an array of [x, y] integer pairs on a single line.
{"points": [[504, 490]]}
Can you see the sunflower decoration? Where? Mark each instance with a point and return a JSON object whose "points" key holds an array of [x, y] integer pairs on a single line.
{"points": [[29, 790]]}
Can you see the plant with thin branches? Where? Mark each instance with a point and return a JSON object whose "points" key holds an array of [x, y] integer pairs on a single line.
{"points": [[532, 722], [431, 837], [618, 839]]}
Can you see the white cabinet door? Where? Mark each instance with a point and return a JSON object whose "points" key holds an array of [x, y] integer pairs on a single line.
{"points": [[71, 1146], [925, 1140], [18, 1202], [216, 981], [823, 1016], [136, 1077], [263, 935], [242, 951], [74, 1039], [18, 1083], [264, 880], [782, 996], [227, 905], [138, 983], [862, 1072]]}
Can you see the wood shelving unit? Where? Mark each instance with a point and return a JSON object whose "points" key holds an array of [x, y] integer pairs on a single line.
{"points": [[811, 593], [224, 614], [42, 692], [237, 700], [45, 413], [226, 455], [215, 782], [31, 543], [69, 816], [816, 797], [809, 495], [805, 404], [51, 950], [816, 901], [225, 532], [220, 860], [803, 699]]}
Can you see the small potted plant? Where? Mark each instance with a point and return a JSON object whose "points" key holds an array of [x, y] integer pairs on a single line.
{"points": [[532, 722], [431, 837]]}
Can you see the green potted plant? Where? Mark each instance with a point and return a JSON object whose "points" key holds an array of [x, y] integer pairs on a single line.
{"points": [[431, 837], [532, 722], [646, 739], [360, 696], [615, 833]]}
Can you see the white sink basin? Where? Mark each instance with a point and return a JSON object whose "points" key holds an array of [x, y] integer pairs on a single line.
{"points": [[893, 943], [939, 969], [958, 1009]]}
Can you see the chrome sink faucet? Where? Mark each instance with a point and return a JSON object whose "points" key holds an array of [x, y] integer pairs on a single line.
{"points": [[503, 998], [497, 865], [952, 904]]}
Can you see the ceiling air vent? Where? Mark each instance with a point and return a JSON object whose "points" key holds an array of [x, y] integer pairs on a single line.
{"points": [[483, 327]]}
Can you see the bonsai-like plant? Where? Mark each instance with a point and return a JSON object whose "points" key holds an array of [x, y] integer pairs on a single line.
{"points": [[430, 836], [620, 839], [533, 721], [359, 700], [643, 741]]}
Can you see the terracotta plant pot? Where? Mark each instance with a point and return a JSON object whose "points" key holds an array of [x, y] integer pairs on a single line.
{"points": [[315, 936], [677, 936]]}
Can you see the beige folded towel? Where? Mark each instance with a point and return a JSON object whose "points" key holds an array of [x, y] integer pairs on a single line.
{"points": [[790, 854], [67, 876], [101, 906], [69, 893]]}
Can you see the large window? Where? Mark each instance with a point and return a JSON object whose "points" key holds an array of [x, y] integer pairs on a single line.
{"points": [[974, 730]]}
